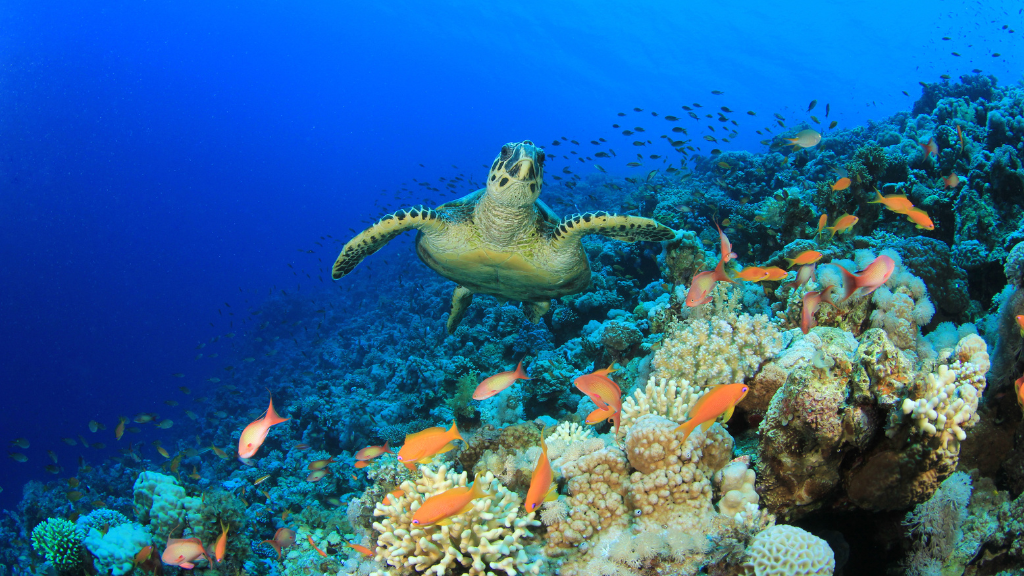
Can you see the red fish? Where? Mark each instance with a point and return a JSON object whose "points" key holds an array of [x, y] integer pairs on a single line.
{"points": [[183, 552], [876, 274], [841, 184], [774, 273], [283, 538], [803, 276], [805, 257], [703, 283], [951, 181], [256, 432], [752, 274], [727, 253], [495, 384], [930, 148], [361, 549], [600, 415], [313, 544], [811, 303], [715, 402], [844, 223], [898, 203]]}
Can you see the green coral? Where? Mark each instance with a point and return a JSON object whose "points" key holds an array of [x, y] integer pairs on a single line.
{"points": [[60, 542], [464, 387]]}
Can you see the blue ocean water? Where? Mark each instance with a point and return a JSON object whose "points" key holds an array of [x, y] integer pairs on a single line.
{"points": [[165, 168]]}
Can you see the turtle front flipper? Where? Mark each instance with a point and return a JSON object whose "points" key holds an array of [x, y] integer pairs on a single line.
{"points": [[376, 236], [461, 299], [617, 226]]}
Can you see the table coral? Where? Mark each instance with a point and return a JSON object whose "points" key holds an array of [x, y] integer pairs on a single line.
{"points": [[488, 539]]}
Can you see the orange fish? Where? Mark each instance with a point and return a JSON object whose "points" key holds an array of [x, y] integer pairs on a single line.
{"points": [[317, 475], [752, 274], [727, 253], [143, 555], [361, 463], [811, 303], [844, 223], [283, 538], [841, 184], [960, 136], [494, 384], [774, 273], [921, 219], [256, 432], [1020, 323], [721, 399], [440, 508], [542, 489], [876, 274], [391, 496], [361, 549], [119, 431], [822, 220], [371, 452], [420, 447], [222, 542], [805, 257], [320, 464], [313, 544], [1019, 385], [195, 473], [898, 203], [951, 181], [600, 415], [603, 391], [930, 148], [183, 552], [703, 283]]}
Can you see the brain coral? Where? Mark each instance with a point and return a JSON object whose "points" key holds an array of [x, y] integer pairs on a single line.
{"points": [[488, 539], [788, 551]]}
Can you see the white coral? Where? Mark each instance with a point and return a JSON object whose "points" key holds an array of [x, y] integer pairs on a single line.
{"points": [[669, 398], [487, 539], [948, 403], [788, 551]]}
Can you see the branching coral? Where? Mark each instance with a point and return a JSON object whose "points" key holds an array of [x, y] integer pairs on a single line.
{"points": [[717, 350], [60, 542], [669, 398], [488, 539]]}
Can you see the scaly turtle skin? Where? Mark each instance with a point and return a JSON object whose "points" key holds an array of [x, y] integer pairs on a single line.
{"points": [[502, 240]]}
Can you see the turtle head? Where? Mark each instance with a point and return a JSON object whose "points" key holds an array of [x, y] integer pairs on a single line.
{"points": [[517, 174]]}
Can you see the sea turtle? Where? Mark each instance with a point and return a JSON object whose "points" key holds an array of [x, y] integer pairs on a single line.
{"points": [[501, 240]]}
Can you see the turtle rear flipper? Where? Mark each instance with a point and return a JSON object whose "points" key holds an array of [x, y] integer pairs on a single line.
{"points": [[616, 226], [534, 311], [376, 236], [461, 299]]}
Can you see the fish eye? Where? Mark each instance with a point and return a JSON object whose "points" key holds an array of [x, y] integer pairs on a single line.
{"points": [[637, 512], [745, 388], [416, 522]]}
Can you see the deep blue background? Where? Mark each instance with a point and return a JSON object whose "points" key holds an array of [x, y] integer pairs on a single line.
{"points": [[156, 157]]}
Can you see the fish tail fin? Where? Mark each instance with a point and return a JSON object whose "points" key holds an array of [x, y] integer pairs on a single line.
{"points": [[878, 198], [615, 419], [479, 490], [686, 427], [454, 431], [387, 448], [791, 261], [552, 493], [521, 373], [849, 282], [274, 545], [720, 274], [272, 416]]}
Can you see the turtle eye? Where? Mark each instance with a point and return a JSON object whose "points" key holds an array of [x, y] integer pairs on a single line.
{"points": [[506, 153]]}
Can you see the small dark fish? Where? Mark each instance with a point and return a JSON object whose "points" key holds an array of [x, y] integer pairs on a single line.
{"points": [[717, 92], [904, 92], [955, 54], [574, 142], [695, 105], [815, 119], [833, 125], [996, 54], [946, 38], [944, 76], [687, 108], [627, 132], [638, 109], [602, 155], [751, 113], [654, 113], [976, 70], [812, 105], [694, 116], [826, 110], [678, 129], [638, 129], [556, 143], [671, 118], [622, 113], [639, 143], [726, 109], [633, 164]]}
